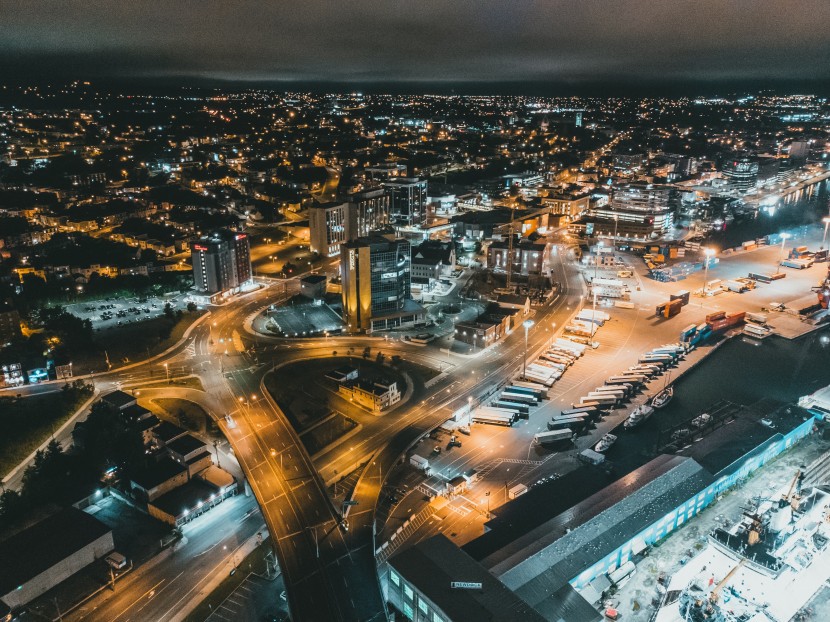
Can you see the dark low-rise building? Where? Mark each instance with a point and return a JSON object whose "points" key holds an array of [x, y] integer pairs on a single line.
{"points": [[190, 452], [49, 552], [313, 286], [435, 581], [158, 478]]}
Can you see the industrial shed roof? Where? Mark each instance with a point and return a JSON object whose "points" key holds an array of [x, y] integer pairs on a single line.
{"points": [[36, 549], [432, 565], [548, 557]]}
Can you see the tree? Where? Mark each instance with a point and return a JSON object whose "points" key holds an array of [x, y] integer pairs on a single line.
{"points": [[191, 307], [12, 506]]}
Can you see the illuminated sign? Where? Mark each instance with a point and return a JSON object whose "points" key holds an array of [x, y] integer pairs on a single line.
{"points": [[465, 585], [351, 259], [241, 236], [197, 247]]}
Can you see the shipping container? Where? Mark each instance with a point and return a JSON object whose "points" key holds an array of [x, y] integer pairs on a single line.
{"points": [[539, 394], [574, 424], [517, 491], [553, 436], [683, 295]]}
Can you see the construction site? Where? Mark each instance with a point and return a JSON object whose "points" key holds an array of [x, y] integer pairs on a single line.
{"points": [[758, 553]]}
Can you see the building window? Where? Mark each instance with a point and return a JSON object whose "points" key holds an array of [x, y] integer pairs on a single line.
{"points": [[394, 578], [407, 611], [422, 605], [408, 591], [436, 617]]}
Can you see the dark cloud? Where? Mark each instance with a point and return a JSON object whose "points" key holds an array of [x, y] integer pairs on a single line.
{"points": [[428, 40]]}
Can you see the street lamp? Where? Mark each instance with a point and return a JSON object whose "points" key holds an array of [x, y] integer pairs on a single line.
{"points": [[826, 222], [708, 253], [616, 218], [167, 371], [527, 324], [784, 238]]}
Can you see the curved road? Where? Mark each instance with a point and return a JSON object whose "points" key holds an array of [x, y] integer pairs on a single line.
{"points": [[328, 563]]}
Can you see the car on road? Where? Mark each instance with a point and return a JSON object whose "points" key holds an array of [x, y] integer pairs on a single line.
{"points": [[436, 449]]}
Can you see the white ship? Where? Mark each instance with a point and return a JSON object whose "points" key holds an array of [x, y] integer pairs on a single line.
{"points": [[663, 398], [605, 443], [638, 415]]}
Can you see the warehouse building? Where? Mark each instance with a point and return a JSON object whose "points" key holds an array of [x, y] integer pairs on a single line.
{"points": [[38, 558], [557, 549], [436, 581]]}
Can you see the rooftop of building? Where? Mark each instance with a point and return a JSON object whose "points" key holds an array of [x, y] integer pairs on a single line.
{"points": [[216, 477], [157, 473], [719, 453], [313, 279], [166, 431], [376, 387], [135, 412], [521, 244], [185, 444], [434, 564], [327, 205], [185, 498], [559, 550], [119, 399], [410, 307], [513, 299], [494, 216], [44, 544], [374, 240]]}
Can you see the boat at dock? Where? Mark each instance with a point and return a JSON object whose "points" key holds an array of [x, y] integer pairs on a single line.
{"points": [[605, 443], [663, 398], [638, 415]]}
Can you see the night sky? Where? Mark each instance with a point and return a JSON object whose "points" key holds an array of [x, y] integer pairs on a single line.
{"points": [[435, 41]]}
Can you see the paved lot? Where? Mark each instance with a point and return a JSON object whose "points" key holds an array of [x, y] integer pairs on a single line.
{"points": [[109, 313], [303, 319], [256, 598]]}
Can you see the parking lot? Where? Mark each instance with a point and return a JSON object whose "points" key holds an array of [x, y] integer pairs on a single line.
{"points": [[254, 599], [112, 312]]}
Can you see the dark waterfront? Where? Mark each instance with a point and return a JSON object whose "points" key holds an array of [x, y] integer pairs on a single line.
{"points": [[741, 371], [792, 214], [744, 371]]}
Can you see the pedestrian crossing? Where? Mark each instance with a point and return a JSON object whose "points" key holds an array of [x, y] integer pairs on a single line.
{"points": [[407, 529]]}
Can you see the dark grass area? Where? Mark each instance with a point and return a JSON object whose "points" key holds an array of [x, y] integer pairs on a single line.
{"points": [[305, 403], [423, 372], [327, 432], [133, 342], [29, 421], [184, 413]]}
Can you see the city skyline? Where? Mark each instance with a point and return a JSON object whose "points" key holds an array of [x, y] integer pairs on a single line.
{"points": [[435, 312]]}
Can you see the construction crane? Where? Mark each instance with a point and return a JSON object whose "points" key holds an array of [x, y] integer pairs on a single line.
{"points": [[509, 285], [792, 496], [714, 595]]}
